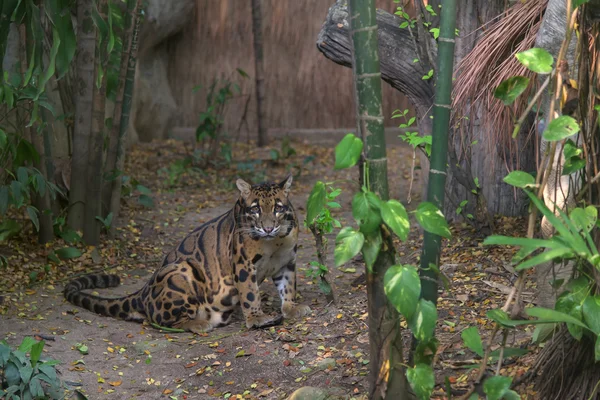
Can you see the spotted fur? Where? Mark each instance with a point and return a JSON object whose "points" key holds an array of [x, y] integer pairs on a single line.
{"points": [[217, 266]]}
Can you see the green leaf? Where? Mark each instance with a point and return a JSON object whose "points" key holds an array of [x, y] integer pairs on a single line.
{"points": [[146, 201], [143, 190], [422, 380], [25, 372], [519, 179], [35, 387], [370, 249], [591, 313], [537, 60], [315, 203], [510, 351], [51, 67], [571, 304], [348, 244], [58, 12], [68, 252], [432, 220], [510, 89], [546, 315], [394, 215], [70, 236], [561, 128], [422, 323], [366, 211], [545, 257], [495, 387], [32, 212], [347, 152], [22, 175], [26, 344], [11, 374], [472, 340], [403, 287], [584, 219], [597, 349], [36, 352], [572, 165]]}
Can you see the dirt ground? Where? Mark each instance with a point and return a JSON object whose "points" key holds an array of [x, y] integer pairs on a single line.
{"points": [[328, 349]]}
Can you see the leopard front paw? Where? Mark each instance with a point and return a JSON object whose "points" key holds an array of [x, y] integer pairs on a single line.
{"points": [[263, 321], [294, 310]]}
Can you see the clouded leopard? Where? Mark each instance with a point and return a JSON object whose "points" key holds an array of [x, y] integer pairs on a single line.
{"points": [[217, 266]]}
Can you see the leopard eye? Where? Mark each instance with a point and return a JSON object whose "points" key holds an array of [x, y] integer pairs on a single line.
{"points": [[279, 208], [255, 209]]}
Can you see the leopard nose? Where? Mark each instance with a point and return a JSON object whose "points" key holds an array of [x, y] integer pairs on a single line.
{"points": [[268, 229]]}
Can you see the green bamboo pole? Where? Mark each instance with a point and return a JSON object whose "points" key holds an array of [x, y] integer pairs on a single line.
{"points": [[387, 376], [439, 147]]}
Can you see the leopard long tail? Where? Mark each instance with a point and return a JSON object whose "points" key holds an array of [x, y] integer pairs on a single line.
{"points": [[129, 308]]}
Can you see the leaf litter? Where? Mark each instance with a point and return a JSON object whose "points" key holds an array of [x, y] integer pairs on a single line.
{"points": [[328, 348]]}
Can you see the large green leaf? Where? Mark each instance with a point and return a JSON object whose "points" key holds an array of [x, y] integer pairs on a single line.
{"points": [[510, 89], [521, 241], [348, 244], [3, 199], [545, 257], [546, 315], [366, 211], [315, 203], [561, 128], [537, 60], [597, 349], [422, 380], [422, 323], [591, 313], [36, 352], [495, 387], [572, 165], [371, 247], [432, 220], [519, 179], [403, 288], [394, 215], [347, 152], [472, 340]]}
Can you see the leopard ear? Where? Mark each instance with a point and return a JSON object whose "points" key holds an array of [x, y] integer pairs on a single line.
{"points": [[286, 184], [244, 187]]}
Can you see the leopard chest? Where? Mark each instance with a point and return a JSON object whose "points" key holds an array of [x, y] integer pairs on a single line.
{"points": [[273, 255]]}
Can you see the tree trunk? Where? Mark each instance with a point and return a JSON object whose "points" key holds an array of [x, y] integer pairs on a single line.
{"points": [[115, 140], [398, 47], [259, 78], [387, 375], [84, 84], [93, 189], [115, 199], [439, 148]]}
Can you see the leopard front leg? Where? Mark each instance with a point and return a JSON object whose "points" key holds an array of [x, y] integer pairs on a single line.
{"points": [[249, 295], [285, 281]]}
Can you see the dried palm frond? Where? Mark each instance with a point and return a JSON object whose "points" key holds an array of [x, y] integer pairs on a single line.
{"points": [[492, 61]]}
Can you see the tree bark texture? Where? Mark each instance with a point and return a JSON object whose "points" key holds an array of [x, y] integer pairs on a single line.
{"points": [[398, 48], [387, 375], [115, 140], [84, 89], [259, 71], [93, 190], [115, 198], [152, 113]]}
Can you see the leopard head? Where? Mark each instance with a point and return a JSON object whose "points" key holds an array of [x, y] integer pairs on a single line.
{"points": [[264, 210]]}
